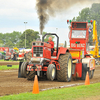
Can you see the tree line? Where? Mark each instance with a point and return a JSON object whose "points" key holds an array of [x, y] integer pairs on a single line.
{"points": [[17, 39]]}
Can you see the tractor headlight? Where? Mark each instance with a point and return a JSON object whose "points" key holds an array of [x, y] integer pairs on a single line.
{"points": [[42, 44], [34, 55], [41, 55], [38, 43], [34, 44]]}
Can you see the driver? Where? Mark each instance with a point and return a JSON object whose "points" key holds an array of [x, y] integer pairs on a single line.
{"points": [[52, 45]]}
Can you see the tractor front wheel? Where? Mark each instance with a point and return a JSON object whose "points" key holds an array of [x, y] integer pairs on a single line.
{"points": [[51, 72], [65, 72]]}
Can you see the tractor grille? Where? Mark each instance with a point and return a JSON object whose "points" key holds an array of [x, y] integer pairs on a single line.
{"points": [[38, 51]]}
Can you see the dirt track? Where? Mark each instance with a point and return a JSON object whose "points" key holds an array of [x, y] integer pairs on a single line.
{"points": [[11, 84], [9, 62]]}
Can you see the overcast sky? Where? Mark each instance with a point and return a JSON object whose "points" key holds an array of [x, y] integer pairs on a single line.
{"points": [[13, 14]]}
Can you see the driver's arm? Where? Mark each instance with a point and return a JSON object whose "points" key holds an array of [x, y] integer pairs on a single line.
{"points": [[52, 44]]}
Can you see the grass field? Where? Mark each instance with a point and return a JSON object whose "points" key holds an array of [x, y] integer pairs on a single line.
{"points": [[1, 59], [4, 67], [8, 60], [5, 60], [90, 92]]}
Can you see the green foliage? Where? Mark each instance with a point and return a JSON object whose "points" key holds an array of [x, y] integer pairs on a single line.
{"points": [[46, 38], [9, 39], [92, 13], [31, 36], [17, 39], [83, 15], [4, 67]]}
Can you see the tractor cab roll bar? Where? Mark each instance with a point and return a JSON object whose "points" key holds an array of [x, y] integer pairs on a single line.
{"points": [[54, 35]]}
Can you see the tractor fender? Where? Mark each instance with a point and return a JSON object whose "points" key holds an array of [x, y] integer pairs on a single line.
{"points": [[62, 50], [90, 62]]}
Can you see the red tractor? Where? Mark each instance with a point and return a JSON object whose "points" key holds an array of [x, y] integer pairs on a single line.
{"points": [[40, 62], [79, 47], [64, 63]]}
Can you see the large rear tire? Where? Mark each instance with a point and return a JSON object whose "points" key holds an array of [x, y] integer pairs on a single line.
{"points": [[65, 72], [24, 72], [28, 56], [84, 70], [51, 72]]}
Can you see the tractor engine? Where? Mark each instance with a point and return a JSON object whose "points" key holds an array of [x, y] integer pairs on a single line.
{"points": [[41, 50]]}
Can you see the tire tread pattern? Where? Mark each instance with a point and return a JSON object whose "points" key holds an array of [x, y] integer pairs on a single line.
{"points": [[62, 74]]}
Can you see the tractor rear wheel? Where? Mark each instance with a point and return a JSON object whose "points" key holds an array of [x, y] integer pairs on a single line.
{"points": [[91, 74], [51, 72], [65, 72], [28, 56], [24, 72]]}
